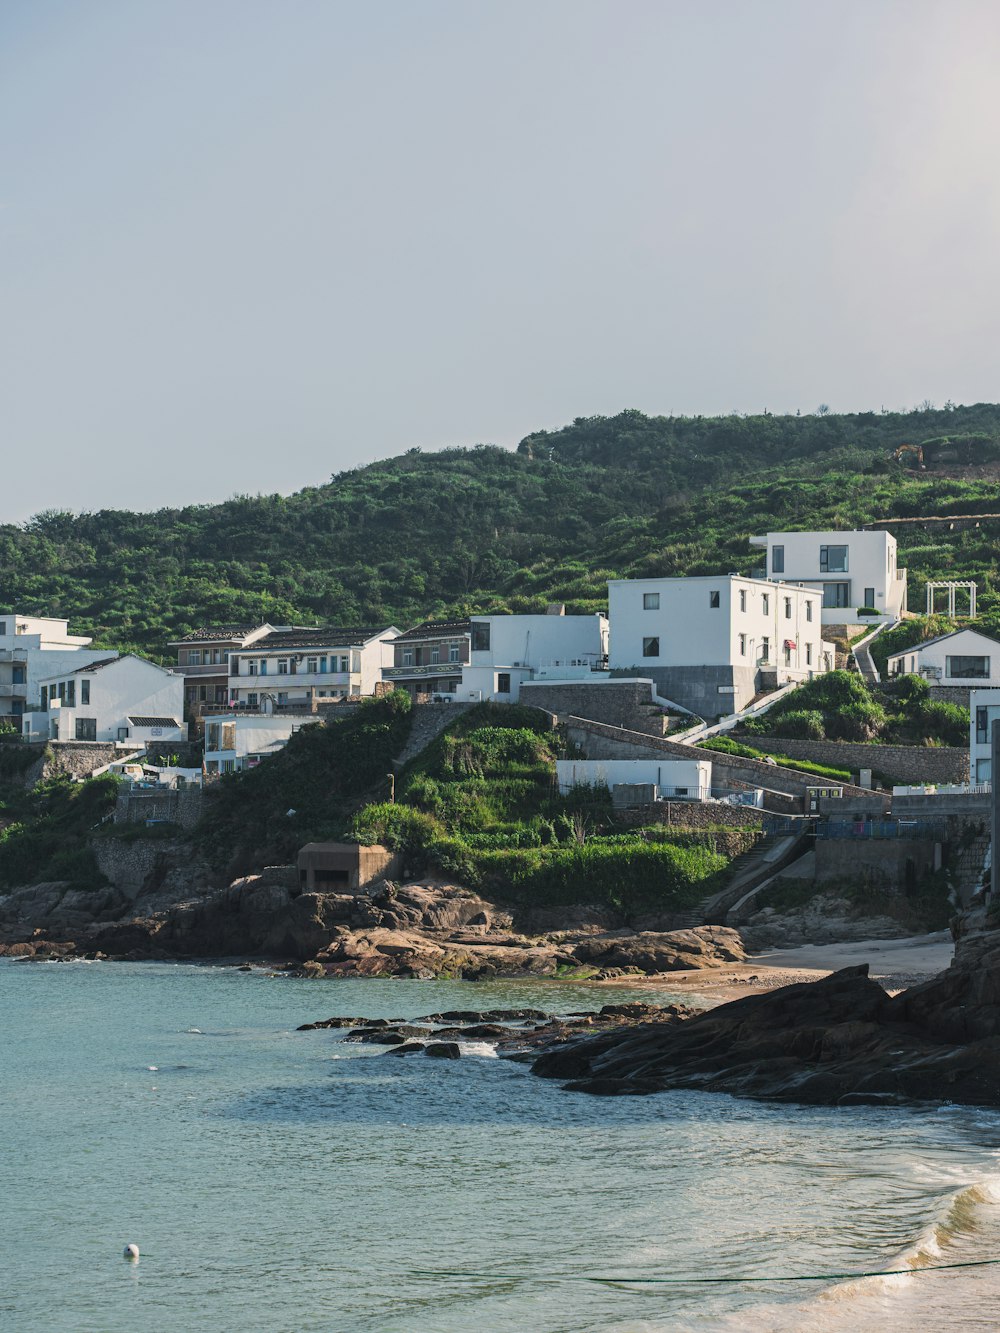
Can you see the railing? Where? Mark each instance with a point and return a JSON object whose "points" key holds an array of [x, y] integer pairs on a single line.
{"points": [[842, 829], [433, 669]]}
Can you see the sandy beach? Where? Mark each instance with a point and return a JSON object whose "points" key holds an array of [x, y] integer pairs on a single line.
{"points": [[895, 964]]}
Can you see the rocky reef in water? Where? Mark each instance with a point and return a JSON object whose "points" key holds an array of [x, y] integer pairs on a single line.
{"points": [[414, 930], [838, 1041]]}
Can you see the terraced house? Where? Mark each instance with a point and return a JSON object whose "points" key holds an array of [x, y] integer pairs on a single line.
{"points": [[297, 668], [428, 659]]}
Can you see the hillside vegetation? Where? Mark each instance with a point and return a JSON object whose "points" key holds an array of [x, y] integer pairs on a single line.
{"points": [[487, 528]]}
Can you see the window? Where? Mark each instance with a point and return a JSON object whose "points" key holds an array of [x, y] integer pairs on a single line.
{"points": [[203, 694], [263, 666], [480, 636], [777, 560], [17, 674], [713, 601], [251, 667], [743, 645], [191, 694], [85, 692], [765, 603], [788, 608], [407, 657], [967, 668], [251, 701], [435, 655], [282, 666], [984, 770], [765, 649], [809, 654], [982, 726], [651, 647], [836, 594], [62, 690], [833, 559], [454, 652], [345, 664], [282, 698], [788, 655], [651, 601], [503, 682], [86, 728], [809, 610], [312, 665], [45, 697], [743, 599], [322, 666], [194, 657], [870, 598]]}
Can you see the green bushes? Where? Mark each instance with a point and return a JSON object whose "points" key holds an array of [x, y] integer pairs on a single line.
{"points": [[726, 745], [47, 838], [805, 724]]}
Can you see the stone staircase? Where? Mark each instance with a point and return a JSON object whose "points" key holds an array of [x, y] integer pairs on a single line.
{"points": [[429, 720], [746, 872]]}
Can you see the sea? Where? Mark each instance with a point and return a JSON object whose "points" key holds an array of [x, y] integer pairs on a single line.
{"points": [[283, 1180]]}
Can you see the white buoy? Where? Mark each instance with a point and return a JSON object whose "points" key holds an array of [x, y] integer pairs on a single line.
{"points": [[131, 1252]]}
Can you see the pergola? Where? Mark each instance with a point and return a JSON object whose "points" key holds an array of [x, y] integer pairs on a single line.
{"points": [[952, 588]]}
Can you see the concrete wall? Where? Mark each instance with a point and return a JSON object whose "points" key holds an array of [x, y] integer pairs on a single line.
{"points": [[135, 805], [132, 866], [895, 864], [693, 774], [903, 764]]}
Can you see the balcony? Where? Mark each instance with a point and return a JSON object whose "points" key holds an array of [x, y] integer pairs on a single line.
{"points": [[422, 672], [206, 669]]}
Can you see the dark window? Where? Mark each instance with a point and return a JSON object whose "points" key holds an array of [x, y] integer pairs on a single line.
{"points": [[788, 608], [809, 610], [86, 728], [17, 678], [480, 636], [713, 600], [833, 559], [651, 647], [203, 693], [982, 726], [45, 697], [870, 598], [71, 694], [503, 682], [967, 668], [836, 594], [17, 707], [777, 560], [84, 692], [651, 601]]}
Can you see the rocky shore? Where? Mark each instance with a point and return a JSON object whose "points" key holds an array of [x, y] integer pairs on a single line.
{"points": [[838, 1041], [414, 930]]}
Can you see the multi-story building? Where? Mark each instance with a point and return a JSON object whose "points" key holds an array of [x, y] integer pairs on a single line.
{"points": [[984, 710], [234, 741], [856, 572], [428, 659], [32, 647], [509, 650], [712, 643], [293, 668], [117, 699], [203, 661]]}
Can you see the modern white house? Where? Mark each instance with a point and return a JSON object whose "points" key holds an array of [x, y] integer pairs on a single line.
{"points": [[984, 710], [675, 779], [965, 657], [115, 699], [234, 741], [290, 668], [856, 572], [712, 643], [509, 650], [31, 648]]}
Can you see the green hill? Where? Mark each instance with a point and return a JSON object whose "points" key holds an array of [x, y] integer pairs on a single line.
{"points": [[490, 529]]}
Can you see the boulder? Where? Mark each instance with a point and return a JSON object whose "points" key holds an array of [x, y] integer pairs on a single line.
{"points": [[669, 951], [443, 1050]]}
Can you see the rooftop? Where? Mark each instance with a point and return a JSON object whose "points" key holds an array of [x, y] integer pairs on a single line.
{"points": [[143, 721], [217, 633], [331, 637], [437, 629]]}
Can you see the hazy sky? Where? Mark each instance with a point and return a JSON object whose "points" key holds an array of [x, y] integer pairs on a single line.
{"points": [[248, 244]]}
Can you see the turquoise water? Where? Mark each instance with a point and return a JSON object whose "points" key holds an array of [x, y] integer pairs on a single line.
{"points": [[282, 1180]]}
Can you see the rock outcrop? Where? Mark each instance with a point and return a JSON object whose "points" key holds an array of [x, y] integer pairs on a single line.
{"points": [[840, 1040]]}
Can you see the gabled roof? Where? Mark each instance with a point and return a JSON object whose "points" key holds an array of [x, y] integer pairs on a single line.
{"points": [[95, 666], [331, 637], [437, 629], [153, 721], [929, 643], [217, 633]]}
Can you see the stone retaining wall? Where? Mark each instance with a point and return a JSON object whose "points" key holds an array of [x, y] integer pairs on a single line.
{"points": [[619, 703], [598, 741], [690, 815], [904, 765], [134, 865]]}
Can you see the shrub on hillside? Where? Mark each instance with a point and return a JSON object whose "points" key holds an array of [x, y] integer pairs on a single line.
{"points": [[804, 724], [861, 720], [944, 722]]}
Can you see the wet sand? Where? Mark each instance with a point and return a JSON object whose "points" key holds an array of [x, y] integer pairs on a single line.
{"points": [[895, 964]]}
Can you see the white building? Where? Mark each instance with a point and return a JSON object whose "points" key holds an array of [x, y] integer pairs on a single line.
{"points": [[963, 658], [289, 668], [241, 740], [851, 569], [508, 650], [31, 648], [712, 643], [984, 710], [680, 779], [115, 699]]}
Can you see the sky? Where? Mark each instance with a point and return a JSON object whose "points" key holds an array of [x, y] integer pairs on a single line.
{"points": [[245, 245]]}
